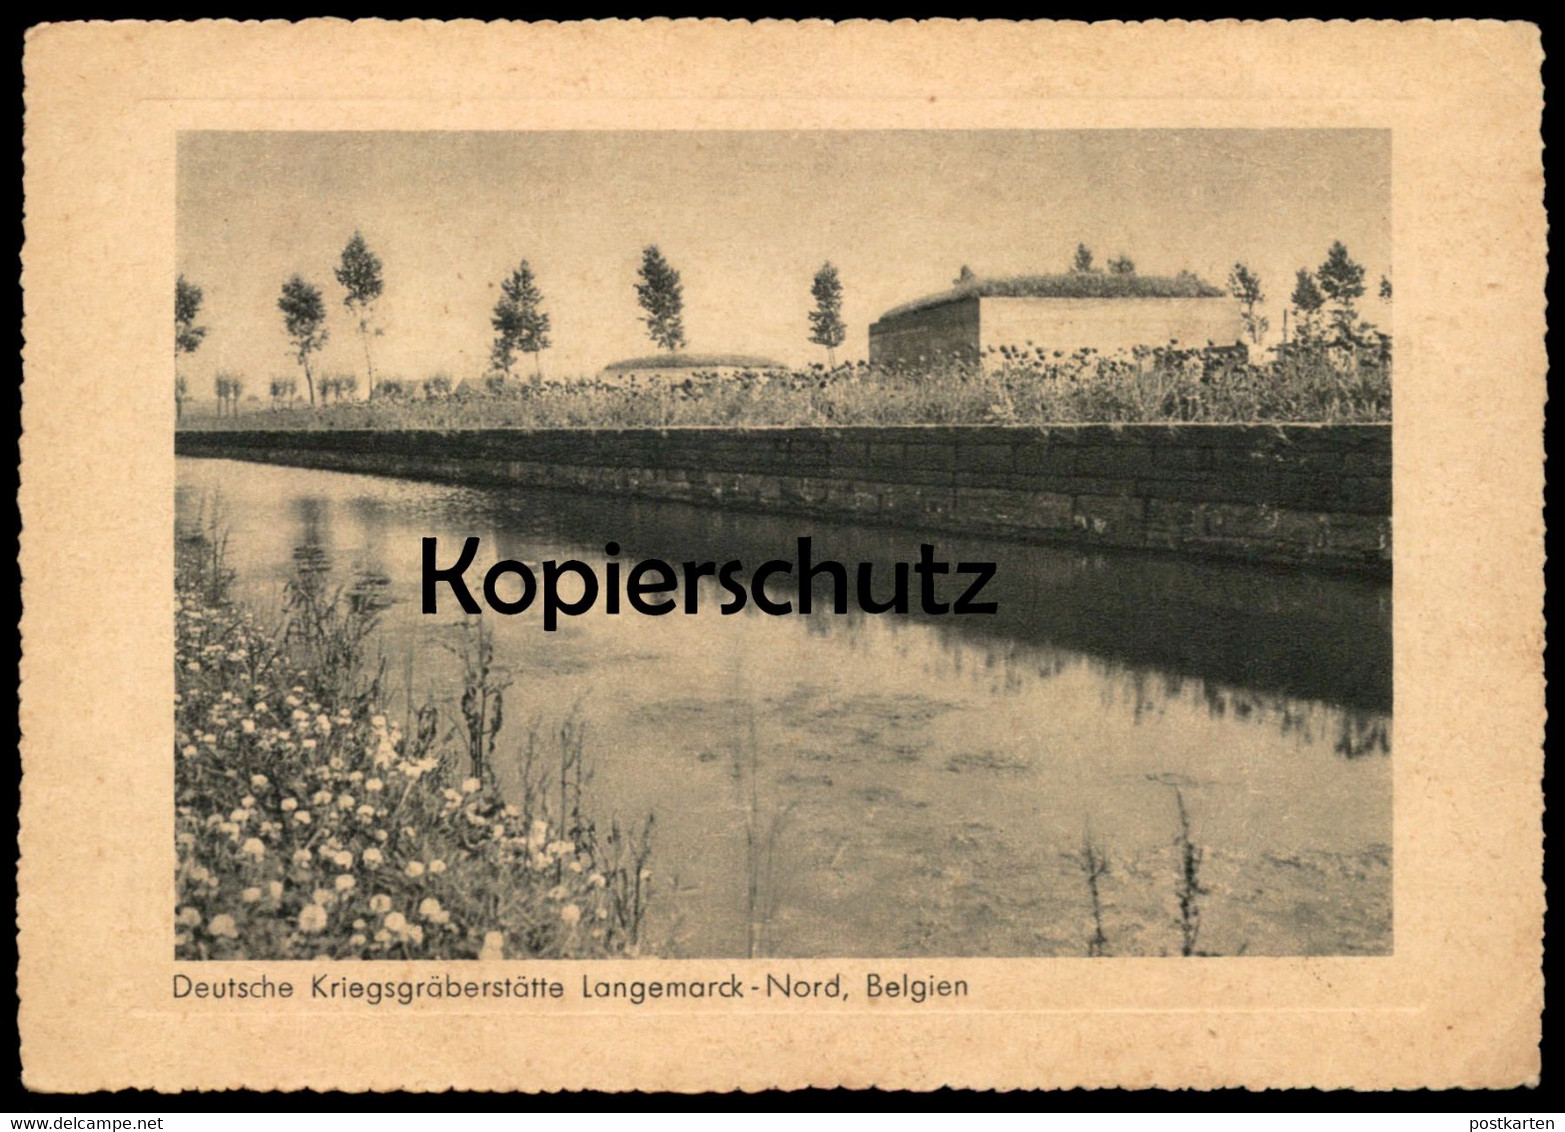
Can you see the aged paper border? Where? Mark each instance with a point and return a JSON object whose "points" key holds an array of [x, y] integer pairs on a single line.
{"points": [[1459, 1002]]}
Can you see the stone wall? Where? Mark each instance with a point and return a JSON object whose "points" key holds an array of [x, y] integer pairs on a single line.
{"points": [[1295, 494]]}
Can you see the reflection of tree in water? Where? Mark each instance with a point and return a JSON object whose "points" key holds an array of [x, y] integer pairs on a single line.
{"points": [[1147, 692], [1362, 735], [369, 592]]}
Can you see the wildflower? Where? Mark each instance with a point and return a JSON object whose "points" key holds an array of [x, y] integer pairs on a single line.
{"points": [[345, 882], [302, 817], [356, 940], [248, 727], [571, 914], [324, 897], [308, 744], [415, 869], [373, 858], [321, 798], [247, 801], [437, 867], [239, 816], [199, 874], [396, 922], [259, 781], [253, 848], [261, 708], [188, 917], [430, 909], [189, 751], [323, 725], [346, 802], [380, 903], [274, 889], [494, 946], [596, 880], [366, 812], [194, 665], [312, 918], [374, 786], [415, 933], [559, 892], [250, 895], [471, 786], [343, 860], [223, 925], [289, 805], [302, 856]]}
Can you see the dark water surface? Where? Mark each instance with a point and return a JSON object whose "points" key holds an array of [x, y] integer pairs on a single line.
{"points": [[909, 785]]}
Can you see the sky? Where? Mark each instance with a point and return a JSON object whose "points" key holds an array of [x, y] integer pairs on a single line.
{"points": [[745, 217]]}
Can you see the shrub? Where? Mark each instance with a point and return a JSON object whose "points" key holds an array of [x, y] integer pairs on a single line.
{"points": [[1010, 385]]}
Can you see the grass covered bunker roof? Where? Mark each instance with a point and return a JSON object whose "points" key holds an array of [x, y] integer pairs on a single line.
{"points": [[1073, 285], [692, 361]]}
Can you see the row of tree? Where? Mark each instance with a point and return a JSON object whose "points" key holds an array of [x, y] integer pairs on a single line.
{"points": [[1324, 305], [1324, 308], [520, 323]]}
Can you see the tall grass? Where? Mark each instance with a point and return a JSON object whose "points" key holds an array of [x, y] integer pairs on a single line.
{"points": [[1188, 888], [1094, 864], [1012, 386]]}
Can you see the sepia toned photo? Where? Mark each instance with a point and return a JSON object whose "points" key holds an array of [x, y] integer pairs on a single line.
{"points": [[1144, 377], [700, 555]]}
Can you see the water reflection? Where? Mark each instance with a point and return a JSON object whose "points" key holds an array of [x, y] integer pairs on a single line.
{"points": [[903, 785]]}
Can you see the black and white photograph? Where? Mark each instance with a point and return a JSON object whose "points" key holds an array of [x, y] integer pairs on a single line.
{"points": [[681, 555], [783, 544]]}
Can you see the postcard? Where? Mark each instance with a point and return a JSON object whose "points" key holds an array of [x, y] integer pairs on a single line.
{"points": [[697, 555]]}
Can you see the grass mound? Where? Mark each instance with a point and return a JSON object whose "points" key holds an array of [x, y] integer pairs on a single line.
{"points": [[693, 361], [1076, 285]]}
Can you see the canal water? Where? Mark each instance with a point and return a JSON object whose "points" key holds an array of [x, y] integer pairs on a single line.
{"points": [[907, 785]]}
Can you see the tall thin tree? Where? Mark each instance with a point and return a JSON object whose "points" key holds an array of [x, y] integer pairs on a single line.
{"points": [[304, 315], [520, 322], [662, 296], [187, 335], [1307, 302], [1342, 283], [1245, 286], [359, 272], [826, 325]]}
